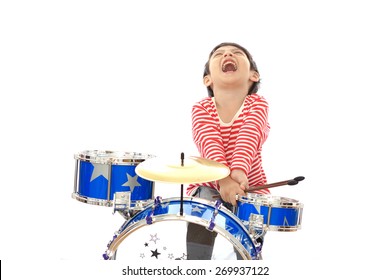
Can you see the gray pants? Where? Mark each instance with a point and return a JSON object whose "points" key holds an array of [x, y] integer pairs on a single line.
{"points": [[200, 241]]}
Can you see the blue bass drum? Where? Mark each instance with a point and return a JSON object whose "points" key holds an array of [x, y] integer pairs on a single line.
{"points": [[159, 232], [101, 174], [279, 213]]}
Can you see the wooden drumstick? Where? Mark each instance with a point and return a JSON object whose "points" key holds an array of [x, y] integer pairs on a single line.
{"points": [[273, 185], [277, 184], [292, 182]]}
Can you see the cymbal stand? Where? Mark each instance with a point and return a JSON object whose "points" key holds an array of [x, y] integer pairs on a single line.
{"points": [[181, 187]]}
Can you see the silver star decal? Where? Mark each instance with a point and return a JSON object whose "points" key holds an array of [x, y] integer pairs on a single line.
{"points": [[257, 207], [196, 209], [154, 238], [285, 222], [99, 170], [132, 182], [229, 228]]}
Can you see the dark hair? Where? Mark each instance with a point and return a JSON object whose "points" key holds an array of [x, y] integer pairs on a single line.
{"points": [[255, 86]]}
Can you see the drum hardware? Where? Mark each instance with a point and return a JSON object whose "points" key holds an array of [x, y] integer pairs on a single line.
{"points": [[121, 201], [256, 230], [122, 204], [256, 226], [76, 179], [149, 217], [181, 186], [211, 224], [127, 208], [108, 197]]}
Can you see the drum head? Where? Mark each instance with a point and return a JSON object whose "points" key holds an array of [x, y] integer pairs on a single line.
{"points": [[167, 241], [160, 232]]}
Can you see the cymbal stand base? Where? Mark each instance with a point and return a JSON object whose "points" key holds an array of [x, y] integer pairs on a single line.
{"points": [[182, 187], [181, 199]]}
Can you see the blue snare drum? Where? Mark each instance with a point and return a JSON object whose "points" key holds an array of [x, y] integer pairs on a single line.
{"points": [[159, 232], [101, 174], [279, 213]]}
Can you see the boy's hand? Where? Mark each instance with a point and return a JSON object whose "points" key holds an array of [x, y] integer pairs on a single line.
{"points": [[229, 189], [240, 177]]}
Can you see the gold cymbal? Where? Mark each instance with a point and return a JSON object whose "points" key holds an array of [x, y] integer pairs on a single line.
{"points": [[194, 170]]}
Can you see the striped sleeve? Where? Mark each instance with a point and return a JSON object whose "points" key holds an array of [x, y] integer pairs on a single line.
{"points": [[206, 131], [253, 133]]}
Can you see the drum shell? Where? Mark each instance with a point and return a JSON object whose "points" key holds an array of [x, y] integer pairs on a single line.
{"points": [[279, 213], [100, 174]]}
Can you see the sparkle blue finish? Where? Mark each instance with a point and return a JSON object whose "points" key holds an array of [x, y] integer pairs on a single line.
{"points": [[98, 187], [280, 217], [224, 219]]}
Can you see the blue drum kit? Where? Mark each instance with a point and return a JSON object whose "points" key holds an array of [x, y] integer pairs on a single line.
{"points": [[155, 228]]}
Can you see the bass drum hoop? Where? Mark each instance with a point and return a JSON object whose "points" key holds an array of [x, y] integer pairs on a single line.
{"points": [[124, 233]]}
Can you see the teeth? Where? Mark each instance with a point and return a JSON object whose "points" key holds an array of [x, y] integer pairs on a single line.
{"points": [[227, 63]]}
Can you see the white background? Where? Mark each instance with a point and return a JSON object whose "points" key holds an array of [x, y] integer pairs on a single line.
{"points": [[123, 75]]}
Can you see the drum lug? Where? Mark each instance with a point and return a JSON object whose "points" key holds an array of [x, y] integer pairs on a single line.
{"points": [[217, 206], [157, 203], [107, 253]]}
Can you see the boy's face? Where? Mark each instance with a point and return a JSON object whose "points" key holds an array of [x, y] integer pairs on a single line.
{"points": [[229, 65]]}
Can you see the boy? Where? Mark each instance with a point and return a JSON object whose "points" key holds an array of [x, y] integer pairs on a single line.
{"points": [[230, 126]]}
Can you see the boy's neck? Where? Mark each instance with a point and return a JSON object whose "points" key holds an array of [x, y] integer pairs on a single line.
{"points": [[228, 103], [231, 97]]}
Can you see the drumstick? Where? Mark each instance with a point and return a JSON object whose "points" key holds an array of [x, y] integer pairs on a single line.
{"points": [[291, 182], [273, 185], [277, 184]]}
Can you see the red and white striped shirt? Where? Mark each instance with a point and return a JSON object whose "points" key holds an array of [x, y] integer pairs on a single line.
{"points": [[237, 144]]}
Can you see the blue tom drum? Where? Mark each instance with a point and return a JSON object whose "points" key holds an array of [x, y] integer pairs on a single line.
{"points": [[279, 213], [101, 174]]}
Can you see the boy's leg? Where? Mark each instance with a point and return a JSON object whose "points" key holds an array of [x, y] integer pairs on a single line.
{"points": [[200, 241]]}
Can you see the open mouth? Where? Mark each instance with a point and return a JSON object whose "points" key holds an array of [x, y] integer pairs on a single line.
{"points": [[229, 66]]}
